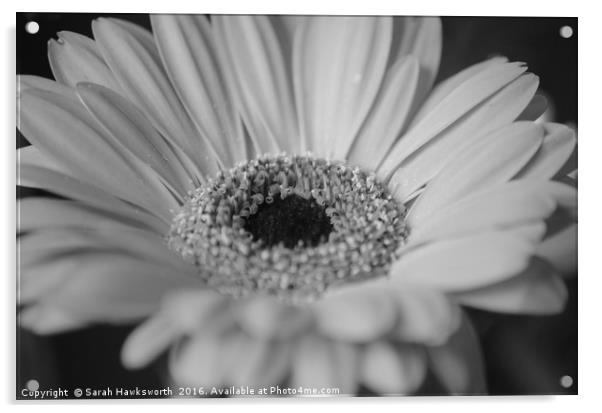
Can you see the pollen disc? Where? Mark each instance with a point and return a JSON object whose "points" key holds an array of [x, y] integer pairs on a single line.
{"points": [[289, 227]]}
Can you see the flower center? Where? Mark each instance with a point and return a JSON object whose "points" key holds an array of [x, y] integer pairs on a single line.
{"points": [[289, 227], [292, 221]]}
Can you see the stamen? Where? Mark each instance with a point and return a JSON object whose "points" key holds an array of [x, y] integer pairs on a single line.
{"points": [[289, 227]]}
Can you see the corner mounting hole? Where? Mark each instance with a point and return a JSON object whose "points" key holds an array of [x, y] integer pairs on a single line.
{"points": [[566, 32], [32, 27], [566, 381]]}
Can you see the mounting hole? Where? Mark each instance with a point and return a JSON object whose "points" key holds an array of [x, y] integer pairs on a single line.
{"points": [[566, 381], [33, 385], [566, 32], [32, 27]]}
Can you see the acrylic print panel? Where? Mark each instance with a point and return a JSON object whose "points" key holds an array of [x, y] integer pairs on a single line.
{"points": [[286, 206]]}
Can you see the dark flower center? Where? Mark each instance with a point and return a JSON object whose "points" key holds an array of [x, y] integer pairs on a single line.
{"points": [[290, 227], [291, 221]]}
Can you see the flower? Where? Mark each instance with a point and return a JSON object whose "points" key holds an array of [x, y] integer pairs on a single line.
{"points": [[288, 199]]}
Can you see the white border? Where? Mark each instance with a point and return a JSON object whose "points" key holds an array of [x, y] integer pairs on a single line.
{"points": [[590, 149]]}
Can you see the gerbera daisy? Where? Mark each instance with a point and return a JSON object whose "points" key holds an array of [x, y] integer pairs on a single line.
{"points": [[288, 199]]}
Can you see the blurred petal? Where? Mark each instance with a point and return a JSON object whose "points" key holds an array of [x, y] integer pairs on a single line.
{"points": [[458, 364], [37, 281], [557, 146], [148, 341], [265, 317], [181, 312], [560, 250], [48, 320], [320, 363], [391, 370], [534, 109], [359, 312], [198, 361], [425, 315], [537, 291], [106, 287], [420, 37], [260, 363]]}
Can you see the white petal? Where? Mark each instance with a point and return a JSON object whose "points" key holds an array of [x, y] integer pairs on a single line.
{"points": [[320, 363], [75, 58], [67, 186], [388, 116], [143, 244], [557, 146], [444, 88], [130, 128], [26, 82], [287, 26], [359, 313], [32, 156], [495, 112], [502, 206], [267, 318], [464, 263], [494, 159], [338, 66], [537, 291], [451, 108], [45, 213], [187, 48], [560, 250], [130, 53], [263, 92], [64, 131], [38, 246], [391, 370], [458, 364]]}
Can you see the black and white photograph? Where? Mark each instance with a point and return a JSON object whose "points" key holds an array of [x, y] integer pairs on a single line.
{"points": [[295, 206]]}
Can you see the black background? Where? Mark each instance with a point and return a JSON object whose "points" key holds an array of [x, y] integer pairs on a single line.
{"points": [[524, 355]]}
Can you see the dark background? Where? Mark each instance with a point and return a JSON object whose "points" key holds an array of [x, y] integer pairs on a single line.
{"points": [[524, 355]]}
